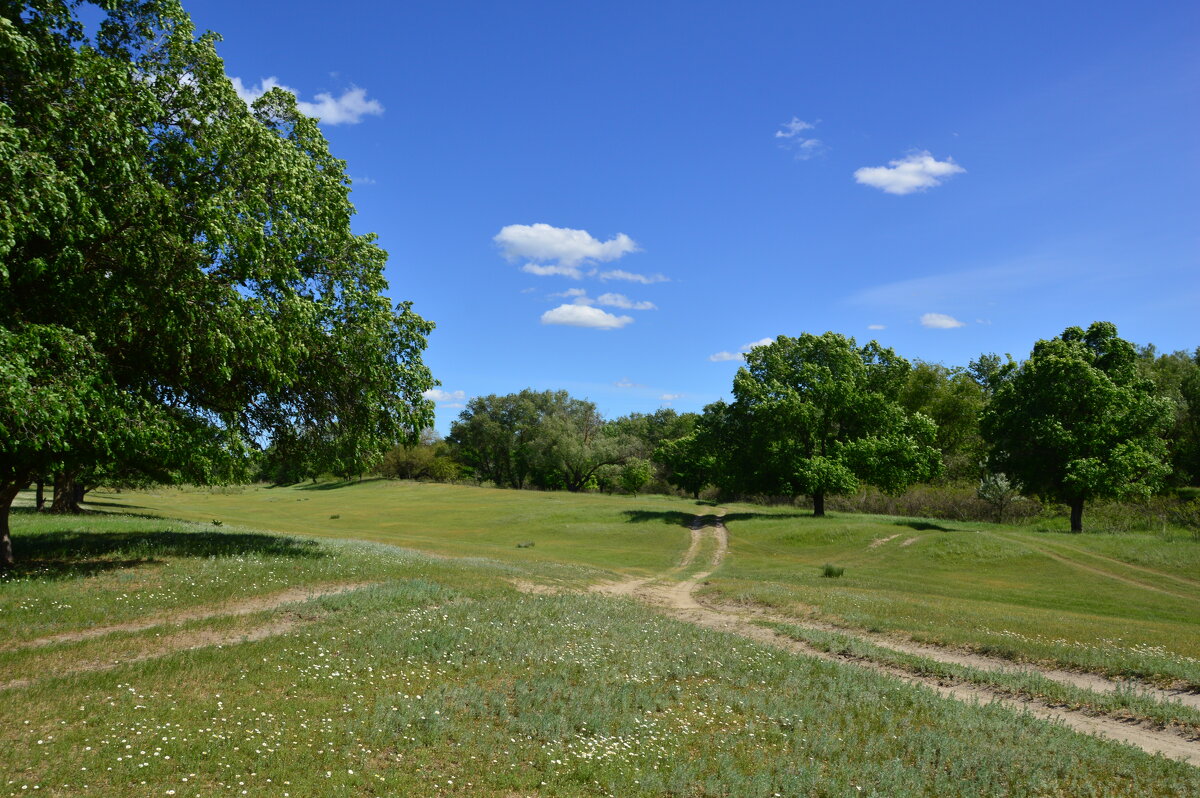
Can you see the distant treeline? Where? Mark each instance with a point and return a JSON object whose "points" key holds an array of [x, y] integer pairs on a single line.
{"points": [[1086, 416]]}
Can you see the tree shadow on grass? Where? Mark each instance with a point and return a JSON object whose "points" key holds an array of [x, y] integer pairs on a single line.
{"points": [[75, 553], [923, 526], [670, 517], [345, 483]]}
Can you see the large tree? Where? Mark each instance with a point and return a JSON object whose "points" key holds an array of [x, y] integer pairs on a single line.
{"points": [[547, 439], [1076, 421], [178, 274], [817, 415]]}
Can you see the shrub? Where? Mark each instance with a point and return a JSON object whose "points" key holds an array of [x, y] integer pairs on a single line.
{"points": [[832, 571]]}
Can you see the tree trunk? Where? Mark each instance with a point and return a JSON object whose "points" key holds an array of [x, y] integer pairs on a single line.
{"points": [[819, 505], [8, 492], [41, 495], [1077, 515], [66, 494]]}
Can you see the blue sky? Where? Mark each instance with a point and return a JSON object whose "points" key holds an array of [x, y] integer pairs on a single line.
{"points": [[617, 198]]}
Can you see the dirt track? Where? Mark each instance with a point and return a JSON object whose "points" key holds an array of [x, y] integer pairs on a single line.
{"points": [[678, 598]]}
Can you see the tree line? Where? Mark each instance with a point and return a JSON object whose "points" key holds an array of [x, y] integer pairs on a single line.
{"points": [[1087, 415]]}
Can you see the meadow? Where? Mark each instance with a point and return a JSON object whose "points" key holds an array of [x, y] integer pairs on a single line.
{"points": [[388, 651]]}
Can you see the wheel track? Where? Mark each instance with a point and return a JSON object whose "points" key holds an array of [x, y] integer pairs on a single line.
{"points": [[680, 601]]}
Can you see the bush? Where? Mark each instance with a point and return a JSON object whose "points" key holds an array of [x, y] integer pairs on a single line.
{"points": [[832, 571]]}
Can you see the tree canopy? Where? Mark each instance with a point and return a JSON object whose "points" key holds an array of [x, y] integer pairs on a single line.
{"points": [[1076, 421], [816, 415], [178, 274]]}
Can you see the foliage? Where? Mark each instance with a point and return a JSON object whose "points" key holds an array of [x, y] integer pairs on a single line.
{"points": [[818, 414], [998, 492], [635, 474], [1076, 422], [953, 398], [545, 440], [185, 262]]}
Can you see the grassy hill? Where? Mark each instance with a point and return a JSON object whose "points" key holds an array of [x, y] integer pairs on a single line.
{"points": [[272, 655]]}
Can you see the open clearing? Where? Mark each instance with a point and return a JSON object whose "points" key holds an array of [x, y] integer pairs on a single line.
{"points": [[149, 655]]}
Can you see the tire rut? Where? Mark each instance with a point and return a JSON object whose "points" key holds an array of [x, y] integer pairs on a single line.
{"points": [[680, 601]]}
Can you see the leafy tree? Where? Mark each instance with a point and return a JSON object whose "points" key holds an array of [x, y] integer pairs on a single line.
{"points": [[1076, 421], [953, 399], [573, 442], [635, 474], [494, 436], [1176, 377], [818, 414], [178, 275]]}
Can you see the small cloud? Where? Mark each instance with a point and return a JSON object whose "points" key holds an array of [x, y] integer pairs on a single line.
{"points": [[529, 290], [940, 321], [791, 137], [623, 302], [545, 271], [563, 246], [347, 109], [625, 382], [455, 405], [723, 357], [876, 327], [916, 172], [983, 321], [363, 181], [445, 398], [644, 279], [577, 295], [585, 316], [670, 397]]}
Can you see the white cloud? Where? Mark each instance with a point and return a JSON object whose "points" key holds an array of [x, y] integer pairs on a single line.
{"points": [[644, 279], [545, 271], [445, 397], [670, 397], [348, 109], [722, 357], [915, 172], [803, 146], [585, 316], [623, 302], [876, 327], [940, 321], [560, 245], [577, 295], [625, 382]]}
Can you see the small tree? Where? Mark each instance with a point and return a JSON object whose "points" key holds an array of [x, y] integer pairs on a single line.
{"points": [[1075, 422], [635, 474], [998, 493]]}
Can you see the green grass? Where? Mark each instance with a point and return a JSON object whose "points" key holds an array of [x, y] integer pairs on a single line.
{"points": [[1122, 606], [443, 680], [1125, 703], [643, 534]]}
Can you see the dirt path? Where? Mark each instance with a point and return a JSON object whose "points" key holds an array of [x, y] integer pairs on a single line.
{"points": [[680, 601], [636, 585], [247, 607], [170, 644]]}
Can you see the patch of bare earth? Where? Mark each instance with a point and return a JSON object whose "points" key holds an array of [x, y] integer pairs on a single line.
{"points": [[877, 542], [172, 643]]}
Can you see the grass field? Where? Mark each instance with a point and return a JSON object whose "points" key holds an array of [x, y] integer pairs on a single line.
{"points": [[147, 656]]}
